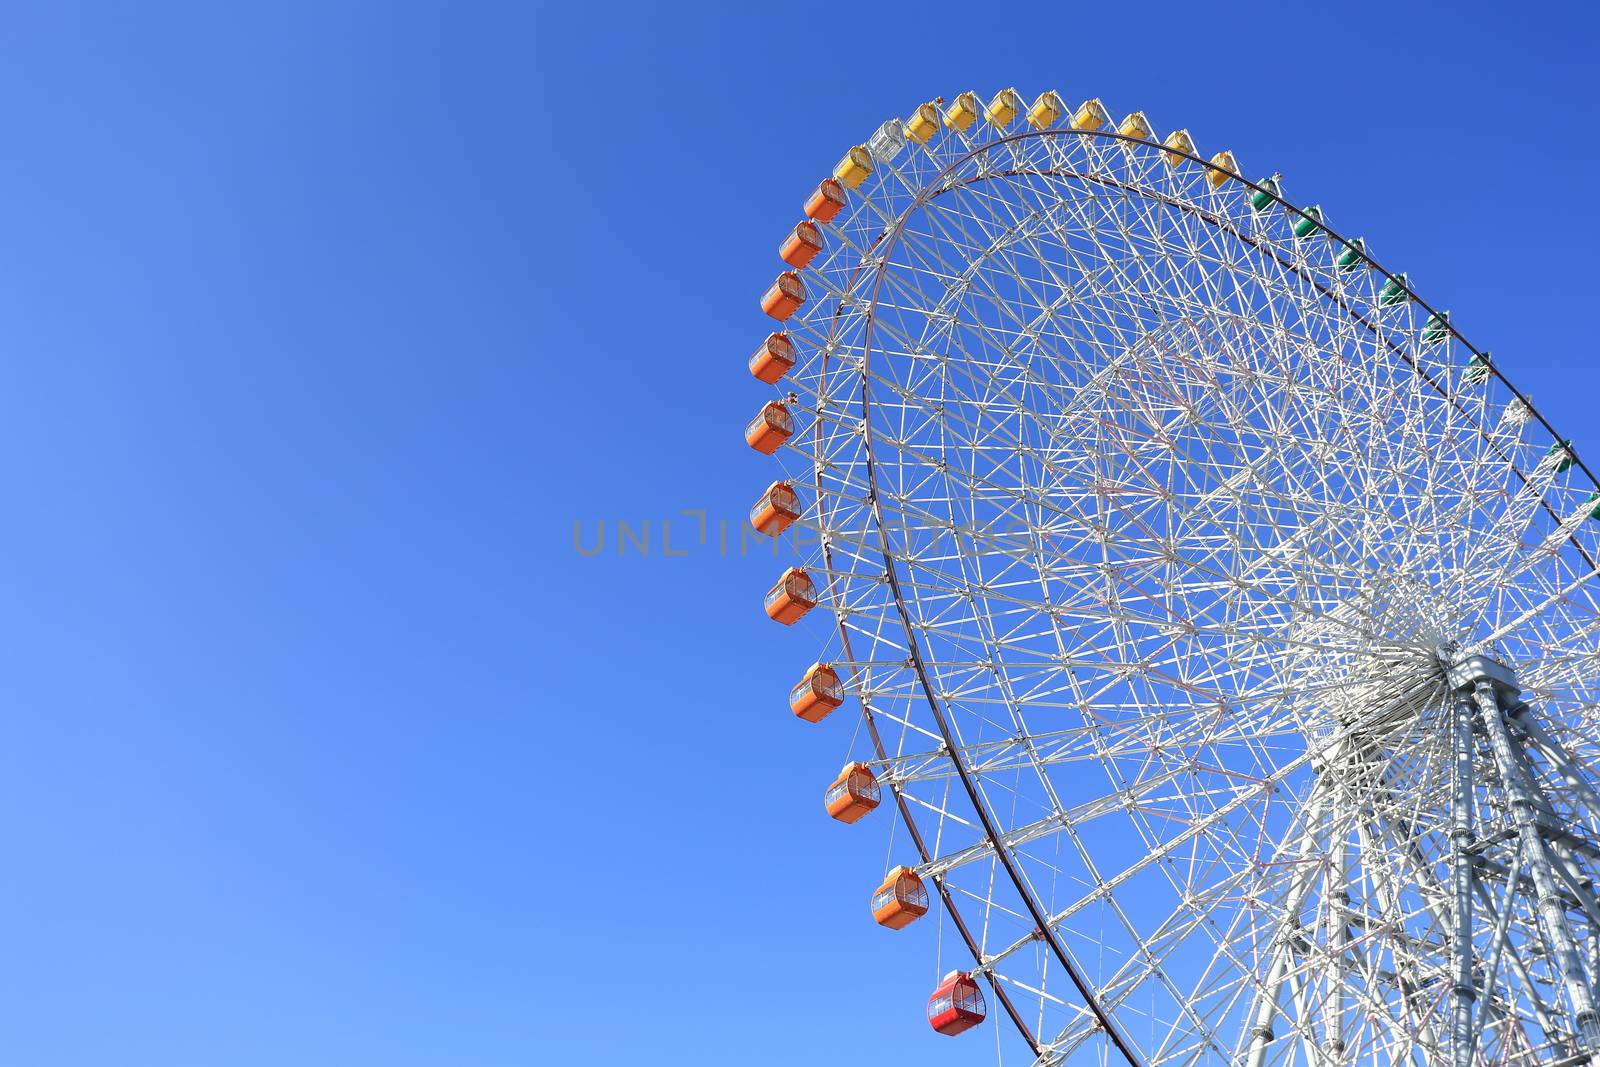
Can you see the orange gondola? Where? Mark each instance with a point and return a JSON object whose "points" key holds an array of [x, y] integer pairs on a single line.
{"points": [[900, 900], [801, 246], [785, 296], [770, 428], [817, 694], [773, 359], [793, 596], [776, 509], [826, 201], [852, 794]]}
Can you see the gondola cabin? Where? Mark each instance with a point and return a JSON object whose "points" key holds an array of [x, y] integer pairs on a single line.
{"points": [[1223, 166], [901, 900], [855, 167], [1308, 221], [1179, 148], [1003, 108], [1137, 126], [817, 694], [1354, 254], [1560, 456], [1437, 328], [801, 246], [852, 794], [956, 1005], [785, 296], [1045, 110], [769, 429], [1091, 115], [1477, 370], [962, 112], [793, 596], [773, 359], [1268, 192], [776, 509], [923, 125], [889, 141], [825, 201], [1397, 290]]}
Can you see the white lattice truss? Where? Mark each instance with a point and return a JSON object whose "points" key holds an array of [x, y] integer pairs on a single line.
{"points": [[1151, 534]]}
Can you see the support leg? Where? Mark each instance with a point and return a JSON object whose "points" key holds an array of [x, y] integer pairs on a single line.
{"points": [[1462, 1035], [1512, 765]]}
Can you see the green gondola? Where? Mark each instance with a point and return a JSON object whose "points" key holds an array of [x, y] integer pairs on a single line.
{"points": [[1436, 329], [1561, 452], [1354, 254], [1395, 290], [1309, 222], [1477, 370], [1271, 189]]}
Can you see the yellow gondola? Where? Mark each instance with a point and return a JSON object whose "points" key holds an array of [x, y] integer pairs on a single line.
{"points": [[962, 112], [1180, 143], [923, 123], [1222, 161], [1003, 108], [1091, 115], [1045, 110], [1136, 125], [854, 167]]}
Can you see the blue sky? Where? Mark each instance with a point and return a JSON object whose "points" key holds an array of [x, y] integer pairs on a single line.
{"points": [[321, 327]]}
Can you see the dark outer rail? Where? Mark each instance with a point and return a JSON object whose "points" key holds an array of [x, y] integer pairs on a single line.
{"points": [[883, 754], [1042, 926]]}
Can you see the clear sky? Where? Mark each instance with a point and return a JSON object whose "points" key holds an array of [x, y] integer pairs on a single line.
{"points": [[321, 326]]}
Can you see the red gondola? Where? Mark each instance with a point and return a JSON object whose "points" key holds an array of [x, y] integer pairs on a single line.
{"points": [[956, 1005]]}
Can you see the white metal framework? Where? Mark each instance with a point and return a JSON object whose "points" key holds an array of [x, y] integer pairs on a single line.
{"points": [[1224, 631]]}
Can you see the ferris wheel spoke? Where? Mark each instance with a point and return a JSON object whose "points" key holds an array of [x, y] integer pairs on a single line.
{"points": [[1192, 564], [1143, 968], [1237, 800], [1192, 914], [1056, 822]]}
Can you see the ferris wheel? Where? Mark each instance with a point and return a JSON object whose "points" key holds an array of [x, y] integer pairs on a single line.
{"points": [[1222, 625]]}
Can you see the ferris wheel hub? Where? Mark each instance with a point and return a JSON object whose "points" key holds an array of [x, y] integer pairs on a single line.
{"points": [[1374, 665], [1467, 671]]}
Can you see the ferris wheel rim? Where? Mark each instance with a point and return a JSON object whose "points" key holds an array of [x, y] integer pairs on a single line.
{"points": [[1044, 928]]}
